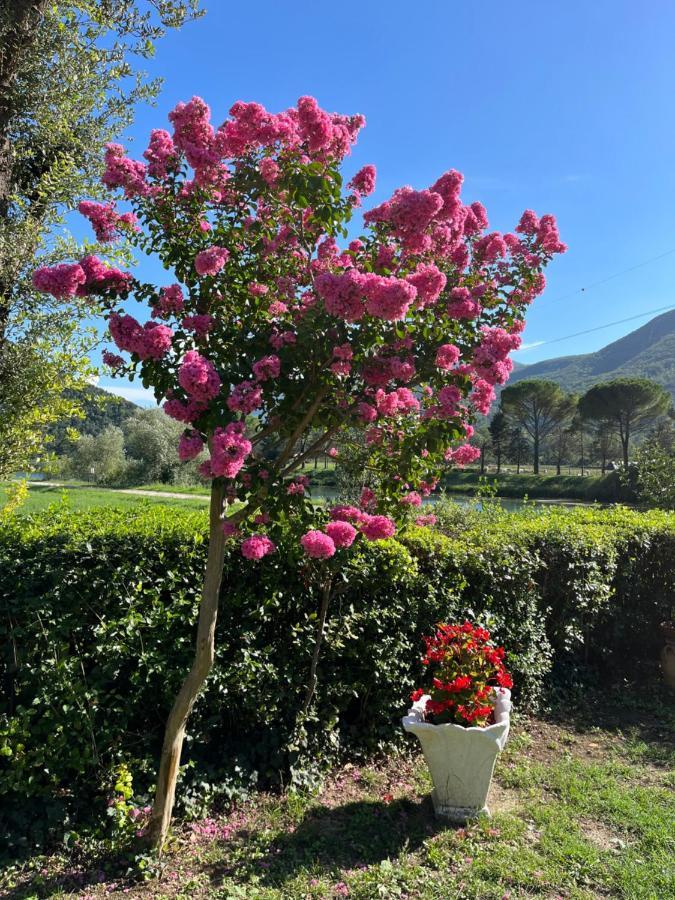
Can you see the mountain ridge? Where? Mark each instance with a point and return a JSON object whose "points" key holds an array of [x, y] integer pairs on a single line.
{"points": [[647, 352]]}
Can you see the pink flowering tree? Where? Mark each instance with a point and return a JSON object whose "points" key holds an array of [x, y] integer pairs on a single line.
{"points": [[399, 335]]}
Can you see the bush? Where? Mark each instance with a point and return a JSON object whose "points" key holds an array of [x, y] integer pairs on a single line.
{"points": [[94, 643]]}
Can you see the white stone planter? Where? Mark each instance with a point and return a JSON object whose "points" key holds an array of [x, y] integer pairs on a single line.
{"points": [[461, 760]]}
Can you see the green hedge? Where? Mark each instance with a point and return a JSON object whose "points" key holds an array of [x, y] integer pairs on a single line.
{"points": [[97, 614]]}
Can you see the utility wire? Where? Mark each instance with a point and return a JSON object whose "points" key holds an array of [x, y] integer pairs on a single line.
{"points": [[593, 284], [567, 337]]}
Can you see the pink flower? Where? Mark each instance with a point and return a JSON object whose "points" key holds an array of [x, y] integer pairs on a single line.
{"points": [[342, 294], [257, 546], [529, 223], [345, 513], [333, 452], [341, 533], [462, 305], [269, 170], [161, 153], [190, 445], [446, 356], [367, 413], [411, 499], [170, 302], [364, 181], [482, 396], [377, 528], [112, 360], [463, 455], [229, 449], [367, 500], [149, 341], [198, 377], [256, 289], [277, 308], [429, 282], [200, 325], [105, 220], [101, 278], [267, 367], [388, 297], [317, 545], [211, 261], [60, 281], [120, 171], [245, 397], [184, 412]]}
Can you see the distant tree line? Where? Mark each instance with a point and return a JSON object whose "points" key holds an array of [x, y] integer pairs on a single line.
{"points": [[537, 421]]}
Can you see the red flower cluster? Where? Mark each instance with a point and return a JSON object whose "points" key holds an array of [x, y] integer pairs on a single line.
{"points": [[465, 668]]}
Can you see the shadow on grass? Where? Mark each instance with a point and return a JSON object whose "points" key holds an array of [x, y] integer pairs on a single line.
{"points": [[357, 834], [644, 713]]}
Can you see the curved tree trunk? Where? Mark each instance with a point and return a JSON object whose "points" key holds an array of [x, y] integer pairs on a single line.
{"points": [[174, 733]]}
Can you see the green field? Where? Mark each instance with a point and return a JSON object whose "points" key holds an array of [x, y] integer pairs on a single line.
{"points": [[85, 497], [587, 488]]}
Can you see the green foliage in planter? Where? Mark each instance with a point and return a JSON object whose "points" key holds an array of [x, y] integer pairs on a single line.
{"points": [[94, 643]]}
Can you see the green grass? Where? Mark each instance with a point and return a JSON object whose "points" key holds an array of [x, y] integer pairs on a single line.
{"points": [[578, 812], [603, 488], [85, 497]]}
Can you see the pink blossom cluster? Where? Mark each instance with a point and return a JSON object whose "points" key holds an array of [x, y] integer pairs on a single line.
{"points": [[89, 276], [112, 359], [429, 282], [200, 325], [184, 411], [447, 356], [463, 304], [245, 398], [337, 535], [161, 153], [61, 281], [267, 367], [482, 396], [170, 302], [125, 173], [211, 260], [229, 449], [198, 377], [256, 547], [364, 181], [190, 445], [462, 455], [106, 221], [149, 341], [491, 358]]}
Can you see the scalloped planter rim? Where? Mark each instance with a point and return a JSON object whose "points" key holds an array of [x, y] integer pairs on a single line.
{"points": [[461, 760]]}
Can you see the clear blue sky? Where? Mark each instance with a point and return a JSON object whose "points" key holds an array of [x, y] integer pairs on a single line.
{"points": [[566, 108]]}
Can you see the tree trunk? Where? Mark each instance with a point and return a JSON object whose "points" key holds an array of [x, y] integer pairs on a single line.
{"points": [[174, 733], [320, 629], [499, 460], [625, 438], [535, 456]]}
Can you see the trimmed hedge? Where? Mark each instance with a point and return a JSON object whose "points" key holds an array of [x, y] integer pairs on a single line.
{"points": [[97, 614]]}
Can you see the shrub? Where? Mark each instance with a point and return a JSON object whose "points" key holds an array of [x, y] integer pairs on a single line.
{"points": [[97, 613]]}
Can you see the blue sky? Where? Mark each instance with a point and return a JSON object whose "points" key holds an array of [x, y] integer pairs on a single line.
{"points": [[566, 108]]}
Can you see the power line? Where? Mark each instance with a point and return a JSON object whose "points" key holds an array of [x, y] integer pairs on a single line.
{"points": [[600, 327], [593, 284]]}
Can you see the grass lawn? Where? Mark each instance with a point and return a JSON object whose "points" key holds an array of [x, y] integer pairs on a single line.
{"points": [[603, 488], [86, 497], [582, 808]]}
